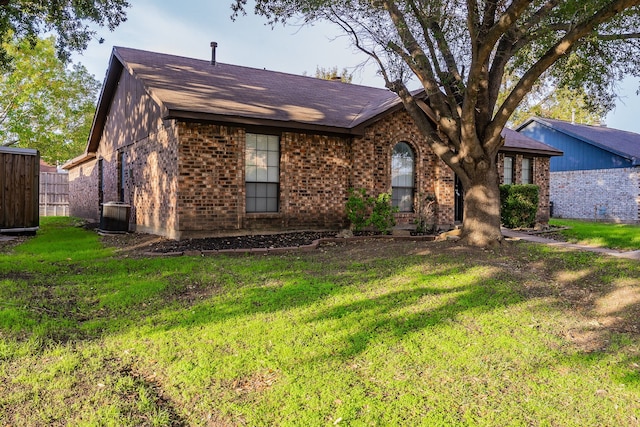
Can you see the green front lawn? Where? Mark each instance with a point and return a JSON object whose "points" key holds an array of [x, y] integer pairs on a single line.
{"points": [[615, 236], [374, 333]]}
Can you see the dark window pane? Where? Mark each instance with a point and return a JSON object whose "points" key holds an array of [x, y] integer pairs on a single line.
{"points": [[262, 197]]}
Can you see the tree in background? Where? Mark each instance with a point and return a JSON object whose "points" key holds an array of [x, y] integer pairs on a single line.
{"points": [[68, 19], [460, 50], [553, 102], [43, 104], [332, 74]]}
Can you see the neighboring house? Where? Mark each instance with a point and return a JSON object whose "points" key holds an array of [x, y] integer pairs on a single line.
{"points": [[598, 178], [197, 148]]}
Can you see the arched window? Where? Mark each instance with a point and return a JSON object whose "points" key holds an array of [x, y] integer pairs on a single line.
{"points": [[402, 181]]}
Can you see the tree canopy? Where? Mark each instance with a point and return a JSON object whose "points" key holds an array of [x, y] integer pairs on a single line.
{"points": [[554, 102], [333, 74], [44, 104], [67, 19], [460, 52]]}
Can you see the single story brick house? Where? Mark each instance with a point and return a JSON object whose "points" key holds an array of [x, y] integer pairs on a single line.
{"points": [[598, 178], [199, 148]]}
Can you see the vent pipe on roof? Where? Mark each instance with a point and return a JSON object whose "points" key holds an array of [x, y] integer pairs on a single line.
{"points": [[214, 45]]}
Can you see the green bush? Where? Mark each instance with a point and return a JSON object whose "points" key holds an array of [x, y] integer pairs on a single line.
{"points": [[382, 218], [518, 205], [358, 208], [364, 211]]}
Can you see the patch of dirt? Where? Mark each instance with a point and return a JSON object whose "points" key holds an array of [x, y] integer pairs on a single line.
{"points": [[8, 242], [548, 232]]}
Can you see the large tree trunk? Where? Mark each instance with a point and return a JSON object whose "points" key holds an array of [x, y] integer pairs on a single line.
{"points": [[481, 218]]}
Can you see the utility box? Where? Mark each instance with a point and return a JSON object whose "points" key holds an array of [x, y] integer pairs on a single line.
{"points": [[115, 217], [19, 190]]}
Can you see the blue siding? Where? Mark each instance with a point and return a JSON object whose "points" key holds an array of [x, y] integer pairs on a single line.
{"points": [[578, 155]]}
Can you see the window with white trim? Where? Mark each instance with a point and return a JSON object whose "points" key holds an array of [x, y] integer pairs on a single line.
{"points": [[262, 172], [402, 177]]}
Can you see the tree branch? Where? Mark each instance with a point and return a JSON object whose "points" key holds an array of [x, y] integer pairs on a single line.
{"points": [[626, 36], [418, 60], [450, 79], [504, 23], [509, 45], [561, 48]]}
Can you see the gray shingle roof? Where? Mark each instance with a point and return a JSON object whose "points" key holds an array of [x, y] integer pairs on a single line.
{"points": [[626, 144], [515, 141]]}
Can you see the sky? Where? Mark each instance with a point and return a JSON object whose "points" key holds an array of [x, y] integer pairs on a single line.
{"points": [[187, 28]]}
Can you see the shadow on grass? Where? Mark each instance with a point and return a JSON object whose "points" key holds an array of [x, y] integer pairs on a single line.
{"points": [[83, 297]]}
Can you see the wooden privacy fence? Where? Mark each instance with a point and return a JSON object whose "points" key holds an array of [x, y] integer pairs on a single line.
{"points": [[54, 194], [19, 176]]}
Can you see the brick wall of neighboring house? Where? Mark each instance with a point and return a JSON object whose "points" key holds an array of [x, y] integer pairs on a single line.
{"points": [[540, 178], [602, 194], [83, 191]]}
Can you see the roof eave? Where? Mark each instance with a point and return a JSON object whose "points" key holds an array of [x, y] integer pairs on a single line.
{"points": [[242, 120], [77, 161], [546, 153], [107, 93]]}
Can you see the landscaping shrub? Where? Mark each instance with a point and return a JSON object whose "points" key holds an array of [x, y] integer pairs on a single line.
{"points": [[426, 208], [382, 218], [364, 211], [518, 205]]}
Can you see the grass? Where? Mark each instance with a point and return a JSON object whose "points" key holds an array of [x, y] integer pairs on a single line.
{"points": [[359, 334], [609, 235]]}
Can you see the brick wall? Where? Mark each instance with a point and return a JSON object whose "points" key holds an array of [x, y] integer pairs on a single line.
{"points": [[314, 175], [83, 191], [316, 172], [602, 194], [371, 167], [314, 181], [211, 191], [134, 127], [151, 182]]}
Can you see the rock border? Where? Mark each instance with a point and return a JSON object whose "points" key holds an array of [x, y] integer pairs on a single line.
{"points": [[287, 249]]}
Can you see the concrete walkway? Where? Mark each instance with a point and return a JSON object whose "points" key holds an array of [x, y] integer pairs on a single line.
{"points": [[515, 235]]}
